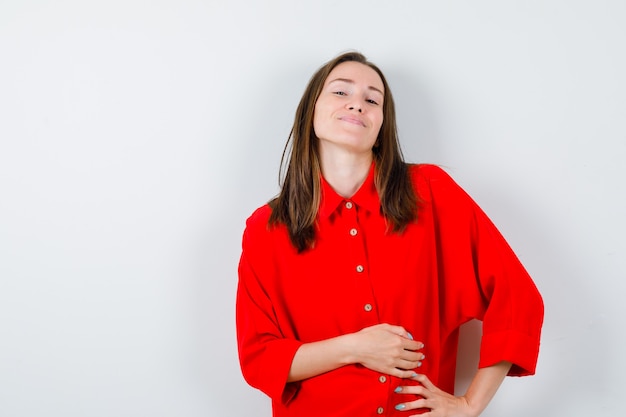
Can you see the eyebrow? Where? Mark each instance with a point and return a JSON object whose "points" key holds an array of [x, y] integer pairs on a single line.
{"points": [[349, 81]]}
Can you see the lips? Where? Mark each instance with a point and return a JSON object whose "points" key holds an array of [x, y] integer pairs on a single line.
{"points": [[353, 120]]}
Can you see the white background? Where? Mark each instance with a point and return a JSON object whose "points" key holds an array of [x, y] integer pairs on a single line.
{"points": [[137, 136]]}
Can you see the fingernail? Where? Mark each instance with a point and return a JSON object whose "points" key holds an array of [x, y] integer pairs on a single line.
{"points": [[409, 335], [397, 390], [423, 356], [400, 407], [419, 364], [414, 375], [422, 346]]}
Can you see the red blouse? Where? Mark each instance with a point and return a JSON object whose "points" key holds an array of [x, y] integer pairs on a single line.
{"points": [[449, 267]]}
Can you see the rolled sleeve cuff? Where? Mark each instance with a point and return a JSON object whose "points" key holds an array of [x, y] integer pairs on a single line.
{"points": [[518, 348], [275, 363]]}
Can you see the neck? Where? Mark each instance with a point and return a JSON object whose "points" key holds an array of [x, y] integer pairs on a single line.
{"points": [[345, 172]]}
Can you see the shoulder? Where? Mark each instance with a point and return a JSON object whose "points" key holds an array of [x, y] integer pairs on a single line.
{"points": [[259, 216], [258, 222], [431, 180], [428, 172], [258, 228], [263, 241]]}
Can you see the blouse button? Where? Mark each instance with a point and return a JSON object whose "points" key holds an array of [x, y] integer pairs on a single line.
{"points": [[367, 307], [349, 205], [382, 379], [380, 410], [359, 268], [353, 232]]}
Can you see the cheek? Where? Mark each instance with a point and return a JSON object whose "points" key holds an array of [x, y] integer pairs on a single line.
{"points": [[316, 124], [379, 122], [319, 119]]}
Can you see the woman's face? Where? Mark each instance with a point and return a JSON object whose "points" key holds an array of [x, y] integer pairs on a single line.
{"points": [[349, 111]]}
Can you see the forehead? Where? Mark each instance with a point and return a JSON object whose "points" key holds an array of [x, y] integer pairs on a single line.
{"points": [[357, 73]]}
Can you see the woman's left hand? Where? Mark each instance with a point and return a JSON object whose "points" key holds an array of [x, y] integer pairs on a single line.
{"points": [[439, 403]]}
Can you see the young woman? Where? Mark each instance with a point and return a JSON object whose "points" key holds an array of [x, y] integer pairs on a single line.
{"points": [[353, 282]]}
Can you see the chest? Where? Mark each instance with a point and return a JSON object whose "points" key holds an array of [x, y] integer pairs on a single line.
{"points": [[358, 274]]}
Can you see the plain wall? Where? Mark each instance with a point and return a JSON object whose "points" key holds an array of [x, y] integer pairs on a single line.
{"points": [[137, 136]]}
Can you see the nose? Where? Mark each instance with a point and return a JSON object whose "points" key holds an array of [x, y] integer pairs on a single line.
{"points": [[358, 108]]}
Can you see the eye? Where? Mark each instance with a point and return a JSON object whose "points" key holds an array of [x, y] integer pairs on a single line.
{"points": [[371, 101], [340, 93]]}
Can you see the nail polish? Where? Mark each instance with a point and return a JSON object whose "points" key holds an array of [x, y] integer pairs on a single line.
{"points": [[409, 335], [398, 390], [400, 407]]}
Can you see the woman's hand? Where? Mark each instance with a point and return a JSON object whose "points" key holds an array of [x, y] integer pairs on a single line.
{"points": [[387, 349], [440, 403]]}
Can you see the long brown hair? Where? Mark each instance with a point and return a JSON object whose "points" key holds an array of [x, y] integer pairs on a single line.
{"points": [[298, 202]]}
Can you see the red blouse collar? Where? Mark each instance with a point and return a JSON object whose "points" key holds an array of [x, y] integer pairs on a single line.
{"points": [[366, 196]]}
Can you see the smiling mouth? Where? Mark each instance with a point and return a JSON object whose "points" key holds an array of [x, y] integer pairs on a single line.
{"points": [[353, 121]]}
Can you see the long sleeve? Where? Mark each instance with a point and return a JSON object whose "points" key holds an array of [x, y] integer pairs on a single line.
{"points": [[265, 354], [485, 280]]}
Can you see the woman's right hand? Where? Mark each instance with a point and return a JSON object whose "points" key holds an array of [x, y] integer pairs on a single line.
{"points": [[387, 349]]}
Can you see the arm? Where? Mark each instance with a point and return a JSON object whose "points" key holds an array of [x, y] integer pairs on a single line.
{"points": [[382, 348], [489, 284], [480, 392], [484, 386], [486, 280]]}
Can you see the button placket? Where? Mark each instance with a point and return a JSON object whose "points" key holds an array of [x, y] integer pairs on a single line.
{"points": [[354, 229], [354, 235]]}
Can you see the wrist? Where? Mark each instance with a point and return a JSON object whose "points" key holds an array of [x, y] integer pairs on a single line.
{"points": [[473, 408], [349, 349]]}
